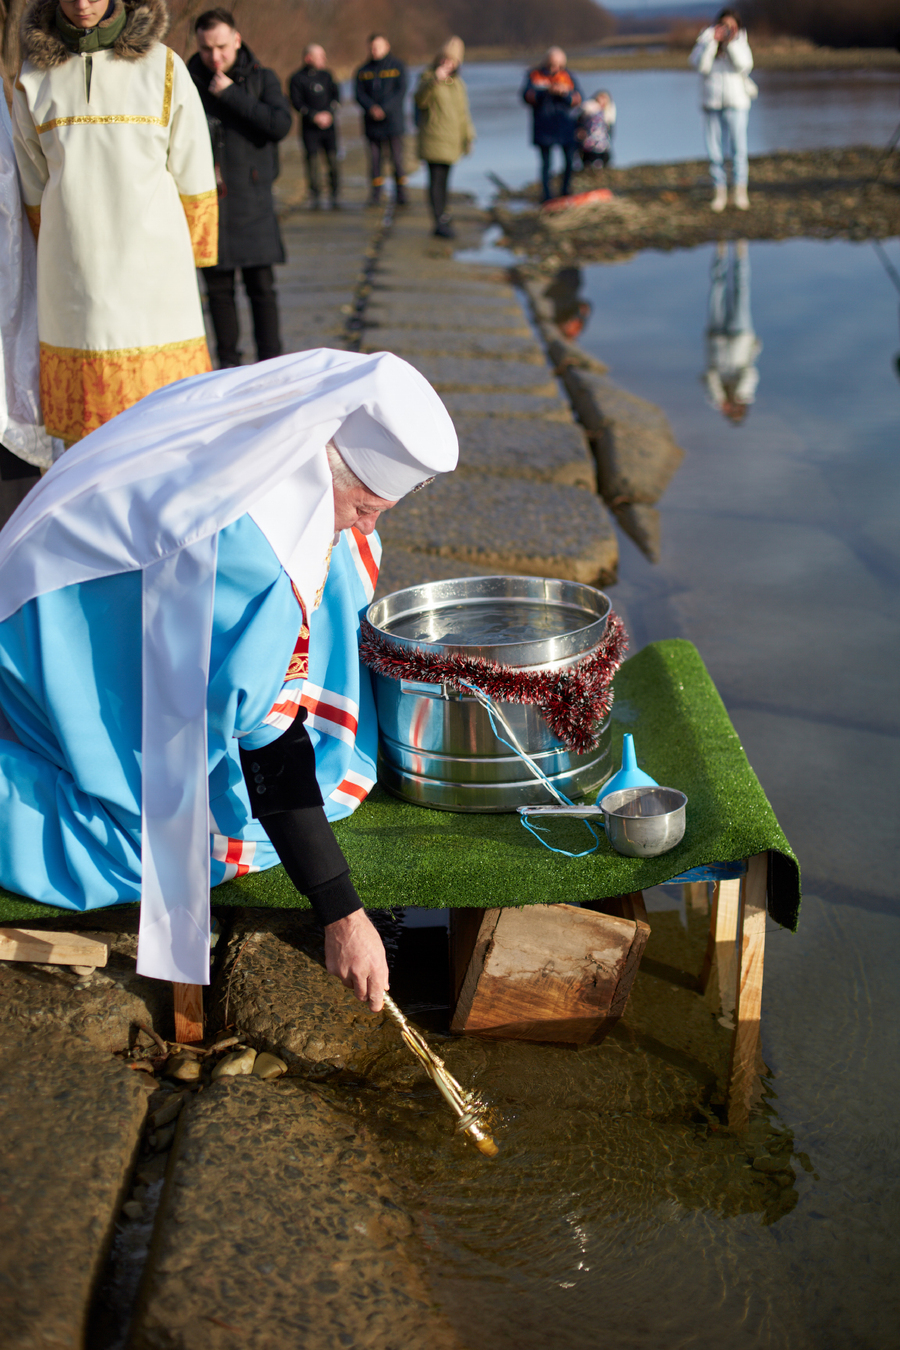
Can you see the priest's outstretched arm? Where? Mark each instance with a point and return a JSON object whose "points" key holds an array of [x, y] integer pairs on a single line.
{"points": [[285, 798]]}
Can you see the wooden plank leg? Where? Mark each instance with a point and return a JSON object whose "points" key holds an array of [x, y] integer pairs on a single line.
{"points": [[744, 1085], [188, 1013], [696, 895], [718, 978]]}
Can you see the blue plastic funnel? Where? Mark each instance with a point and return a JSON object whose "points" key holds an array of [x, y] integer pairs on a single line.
{"points": [[629, 776]]}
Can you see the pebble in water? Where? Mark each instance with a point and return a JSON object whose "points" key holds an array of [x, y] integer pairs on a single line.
{"points": [[235, 1064], [165, 1114], [183, 1067], [268, 1066]]}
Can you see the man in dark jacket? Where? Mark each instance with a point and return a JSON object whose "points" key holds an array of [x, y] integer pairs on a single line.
{"points": [[247, 115], [316, 96], [380, 90], [553, 96]]}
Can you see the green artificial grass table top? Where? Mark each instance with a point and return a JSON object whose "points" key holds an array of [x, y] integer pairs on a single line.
{"points": [[401, 854]]}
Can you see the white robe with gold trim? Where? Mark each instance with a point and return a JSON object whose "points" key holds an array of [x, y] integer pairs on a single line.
{"points": [[119, 186]]}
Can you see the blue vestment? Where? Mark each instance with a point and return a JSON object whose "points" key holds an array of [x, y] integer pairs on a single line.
{"points": [[70, 689]]}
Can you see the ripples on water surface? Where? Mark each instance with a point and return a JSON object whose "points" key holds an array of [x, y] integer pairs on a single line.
{"points": [[491, 623], [618, 1214]]}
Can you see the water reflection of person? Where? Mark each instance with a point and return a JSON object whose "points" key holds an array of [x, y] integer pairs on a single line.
{"points": [[731, 344], [571, 310]]}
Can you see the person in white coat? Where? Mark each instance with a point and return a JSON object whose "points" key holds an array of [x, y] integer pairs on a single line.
{"points": [[723, 58]]}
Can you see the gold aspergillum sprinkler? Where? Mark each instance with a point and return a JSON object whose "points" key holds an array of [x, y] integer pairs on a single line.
{"points": [[466, 1105]]}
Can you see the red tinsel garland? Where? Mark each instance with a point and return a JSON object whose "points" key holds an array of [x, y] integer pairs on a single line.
{"points": [[572, 701]]}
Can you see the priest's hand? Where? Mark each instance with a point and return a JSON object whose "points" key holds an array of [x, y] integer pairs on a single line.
{"points": [[355, 954]]}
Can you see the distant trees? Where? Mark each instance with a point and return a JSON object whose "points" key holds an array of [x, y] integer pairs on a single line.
{"points": [[829, 23], [277, 30], [528, 23]]}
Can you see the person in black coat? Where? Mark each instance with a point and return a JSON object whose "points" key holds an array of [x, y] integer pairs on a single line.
{"points": [[380, 90], [316, 96], [247, 115]]}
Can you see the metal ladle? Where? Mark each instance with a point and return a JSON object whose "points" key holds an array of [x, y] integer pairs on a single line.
{"points": [[640, 822]]}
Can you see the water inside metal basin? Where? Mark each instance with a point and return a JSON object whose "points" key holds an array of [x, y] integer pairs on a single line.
{"points": [[437, 746]]}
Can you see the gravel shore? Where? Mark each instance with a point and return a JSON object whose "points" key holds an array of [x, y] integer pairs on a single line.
{"points": [[819, 194]]}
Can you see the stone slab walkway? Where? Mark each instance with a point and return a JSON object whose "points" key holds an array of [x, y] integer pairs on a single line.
{"points": [[277, 1225]]}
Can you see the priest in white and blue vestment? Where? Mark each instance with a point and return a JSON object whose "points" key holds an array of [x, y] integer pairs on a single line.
{"points": [[181, 699]]}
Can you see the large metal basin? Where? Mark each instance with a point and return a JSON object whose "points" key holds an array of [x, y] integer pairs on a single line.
{"points": [[437, 747]]}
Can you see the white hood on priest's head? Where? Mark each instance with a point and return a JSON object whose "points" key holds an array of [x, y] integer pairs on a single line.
{"points": [[400, 435]]}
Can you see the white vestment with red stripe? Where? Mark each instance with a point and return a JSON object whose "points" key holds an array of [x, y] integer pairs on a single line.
{"points": [[337, 695]]}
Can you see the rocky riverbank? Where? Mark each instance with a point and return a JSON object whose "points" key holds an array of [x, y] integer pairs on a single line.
{"points": [[643, 53], [817, 194]]}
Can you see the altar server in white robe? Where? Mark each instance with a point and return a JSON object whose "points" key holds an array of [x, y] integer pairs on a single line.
{"points": [[119, 186]]}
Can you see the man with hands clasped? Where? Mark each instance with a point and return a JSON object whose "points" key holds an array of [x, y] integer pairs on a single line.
{"points": [[247, 115], [316, 96]]}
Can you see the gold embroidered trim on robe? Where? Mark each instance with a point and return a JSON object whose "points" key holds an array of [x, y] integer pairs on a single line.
{"points": [[34, 219], [298, 666], [83, 120], [80, 390], [202, 214], [321, 591]]}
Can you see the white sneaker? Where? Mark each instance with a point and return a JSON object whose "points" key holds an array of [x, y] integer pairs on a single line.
{"points": [[741, 200], [720, 199]]}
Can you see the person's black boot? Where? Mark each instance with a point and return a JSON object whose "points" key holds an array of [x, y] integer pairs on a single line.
{"points": [[400, 197], [444, 228]]}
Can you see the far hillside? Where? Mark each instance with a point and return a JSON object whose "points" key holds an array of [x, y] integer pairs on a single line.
{"points": [[278, 30], [828, 23]]}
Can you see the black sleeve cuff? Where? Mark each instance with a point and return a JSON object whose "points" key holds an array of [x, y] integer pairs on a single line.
{"points": [[334, 900], [282, 775], [312, 858]]}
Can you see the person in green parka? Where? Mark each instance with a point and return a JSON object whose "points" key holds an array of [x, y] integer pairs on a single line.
{"points": [[445, 126]]}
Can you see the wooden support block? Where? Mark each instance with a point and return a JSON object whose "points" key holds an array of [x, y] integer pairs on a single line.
{"points": [[547, 972], [718, 979], [55, 949], [744, 1083], [188, 1013]]}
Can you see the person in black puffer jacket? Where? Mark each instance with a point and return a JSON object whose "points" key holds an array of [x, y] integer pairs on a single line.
{"points": [[316, 96], [380, 90], [247, 115]]}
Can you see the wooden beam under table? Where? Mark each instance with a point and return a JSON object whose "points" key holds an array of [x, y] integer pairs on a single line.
{"points": [[545, 972], [744, 1076], [188, 1013]]}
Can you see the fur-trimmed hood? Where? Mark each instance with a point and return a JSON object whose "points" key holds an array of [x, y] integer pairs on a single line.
{"points": [[42, 45]]}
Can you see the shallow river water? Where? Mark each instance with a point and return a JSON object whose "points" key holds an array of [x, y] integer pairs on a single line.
{"points": [[619, 1214], [659, 117]]}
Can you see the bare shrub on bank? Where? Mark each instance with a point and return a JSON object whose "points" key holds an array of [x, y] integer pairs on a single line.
{"points": [[828, 23]]}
